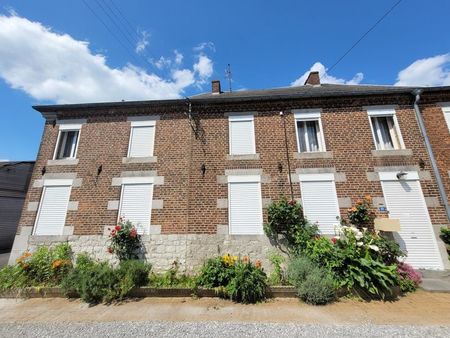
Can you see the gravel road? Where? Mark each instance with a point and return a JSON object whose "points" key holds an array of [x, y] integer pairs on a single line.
{"points": [[216, 329]]}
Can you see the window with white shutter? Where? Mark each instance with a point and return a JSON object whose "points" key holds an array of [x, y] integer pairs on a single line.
{"points": [[245, 205], [52, 210], [446, 110], [136, 205], [385, 129], [142, 139], [242, 135], [319, 200], [68, 139]]}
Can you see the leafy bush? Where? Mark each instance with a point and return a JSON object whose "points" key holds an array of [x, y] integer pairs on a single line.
{"points": [[317, 288], [360, 215], [277, 276], [285, 219], [12, 277], [409, 279], [298, 269], [125, 242], [445, 235], [248, 284], [217, 271], [172, 278], [98, 282]]}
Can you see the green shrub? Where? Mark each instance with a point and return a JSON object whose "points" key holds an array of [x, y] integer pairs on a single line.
{"points": [[98, 282], [216, 272], [12, 277], [172, 278], [317, 288], [277, 276], [286, 220], [248, 284], [445, 235], [298, 269]]}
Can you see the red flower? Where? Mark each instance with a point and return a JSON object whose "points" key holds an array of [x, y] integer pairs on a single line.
{"points": [[133, 233], [334, 240], [258, 264], [110, 250], [117, 227], [246, 259]]}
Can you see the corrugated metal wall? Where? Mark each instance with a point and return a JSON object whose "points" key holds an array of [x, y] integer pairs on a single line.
{"points": [[14, 180]]}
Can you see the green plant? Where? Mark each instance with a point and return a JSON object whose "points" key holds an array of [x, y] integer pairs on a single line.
{"points": [[389, 251], [285, 219], [277, 276], [298, 269], [445, 235], [317, 288], [131, 274], [248, 284], [12, 277], [360, 215], [125, 242], [217, 271], [409, 279]]}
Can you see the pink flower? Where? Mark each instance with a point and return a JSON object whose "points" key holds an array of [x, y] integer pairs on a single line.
{"points": [[334, 240], [133, 233]]}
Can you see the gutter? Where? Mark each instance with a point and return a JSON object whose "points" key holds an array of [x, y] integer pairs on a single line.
{"points": [[434, 166]]}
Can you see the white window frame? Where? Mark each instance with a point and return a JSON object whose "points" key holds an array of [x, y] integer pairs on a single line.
{"points": [[304, 115], [136, 180], [446, 112], [66, 126], [241, 118], [137, 124], [385, 112], [244, 179], [48, 183]]}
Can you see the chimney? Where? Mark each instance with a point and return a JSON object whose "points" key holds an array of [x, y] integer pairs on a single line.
{"points": [[215, 85], [313, 79]]}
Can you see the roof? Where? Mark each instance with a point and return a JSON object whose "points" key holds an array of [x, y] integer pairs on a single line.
{"points": [[307, 91]]}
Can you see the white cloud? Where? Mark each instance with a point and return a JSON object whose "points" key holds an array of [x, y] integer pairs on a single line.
{"points": [[325, 77], [56, 67], [162, 62], [205, 45], [178, 57], [204, 68], [143, 42], [432, 71]]}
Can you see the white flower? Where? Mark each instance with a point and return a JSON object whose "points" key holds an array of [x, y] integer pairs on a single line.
{"points": [[359, 243], [337, 237], [358, 235], [374, 247]]}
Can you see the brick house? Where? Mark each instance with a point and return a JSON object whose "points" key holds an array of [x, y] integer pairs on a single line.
{"points": [[196, 174]]}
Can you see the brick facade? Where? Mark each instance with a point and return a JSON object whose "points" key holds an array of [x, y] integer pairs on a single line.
{"points": [[190, 199]]}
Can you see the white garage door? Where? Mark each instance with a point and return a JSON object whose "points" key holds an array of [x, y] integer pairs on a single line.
{"points": [[405, 201]]}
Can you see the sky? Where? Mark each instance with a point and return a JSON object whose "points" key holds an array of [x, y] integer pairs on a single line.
{"points": [[74, 51]]}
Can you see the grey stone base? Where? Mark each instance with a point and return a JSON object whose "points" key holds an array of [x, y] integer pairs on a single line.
{"points": [[190, 251]]}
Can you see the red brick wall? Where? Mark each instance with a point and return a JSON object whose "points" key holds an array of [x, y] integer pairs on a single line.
{"points": [[190, 200]]}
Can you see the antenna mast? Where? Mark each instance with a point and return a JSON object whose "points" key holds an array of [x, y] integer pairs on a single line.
{"points": [[228, 75]]}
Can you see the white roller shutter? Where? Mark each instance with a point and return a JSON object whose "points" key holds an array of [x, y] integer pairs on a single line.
{"points": [[319, 201], [136, 205], [242, 135], [447, 116], [405, 201], [141, 141], [53, 210], [245, 208]]}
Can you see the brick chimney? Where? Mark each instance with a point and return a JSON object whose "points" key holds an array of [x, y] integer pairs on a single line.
{"points": [[215, 85], [313, 79]]}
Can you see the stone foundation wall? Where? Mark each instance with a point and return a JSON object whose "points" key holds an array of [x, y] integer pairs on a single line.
{"points": [[190, 250]]}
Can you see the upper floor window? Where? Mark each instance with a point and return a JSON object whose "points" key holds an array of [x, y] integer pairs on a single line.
{"points": [[242, 135], [309, 130], [142, 138], [446, 110], [68, 139], [385, 130]]}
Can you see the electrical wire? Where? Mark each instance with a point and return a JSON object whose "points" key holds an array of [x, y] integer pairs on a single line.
{"points": [[363, 36]]}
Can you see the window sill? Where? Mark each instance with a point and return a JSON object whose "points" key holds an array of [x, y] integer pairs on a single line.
{"points": [[313, 155], [243, 157], [63, 161], [149, 159], [394, 152]]}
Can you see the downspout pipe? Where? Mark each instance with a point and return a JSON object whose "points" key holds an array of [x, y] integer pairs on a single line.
{"points": [[434, 166]]}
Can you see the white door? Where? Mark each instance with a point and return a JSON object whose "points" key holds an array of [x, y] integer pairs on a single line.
{"points": [[319, 201], [405, 201]]}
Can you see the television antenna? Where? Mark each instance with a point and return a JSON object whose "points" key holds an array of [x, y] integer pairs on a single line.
{"points": [[228, 75]]}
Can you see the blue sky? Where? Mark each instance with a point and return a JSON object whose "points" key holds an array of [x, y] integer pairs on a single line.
{"points": [[60, 52]]}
